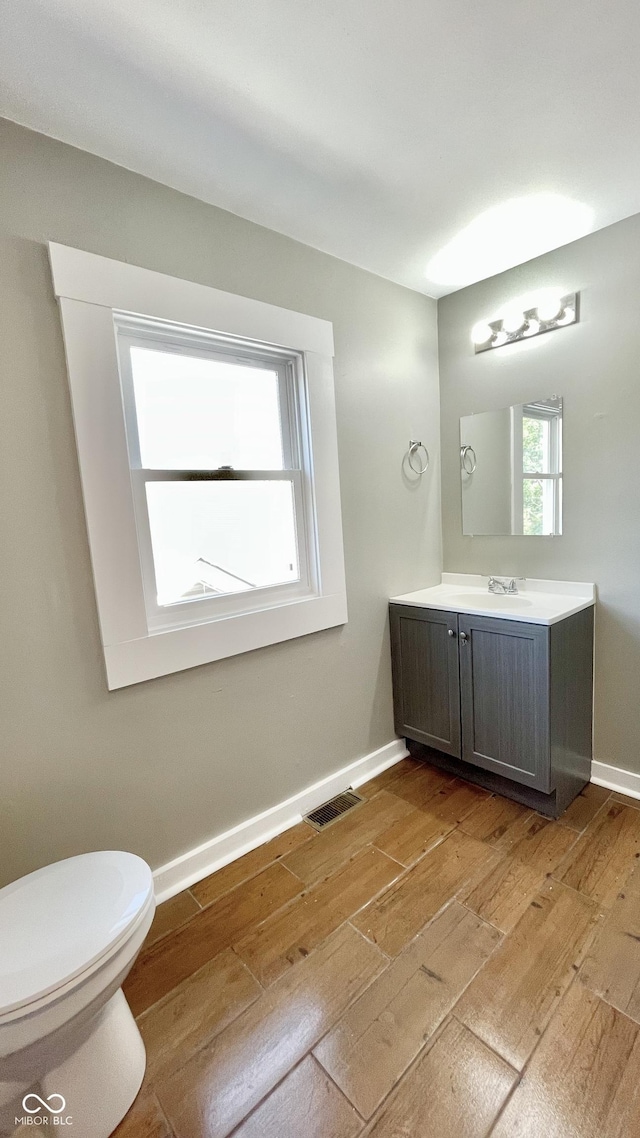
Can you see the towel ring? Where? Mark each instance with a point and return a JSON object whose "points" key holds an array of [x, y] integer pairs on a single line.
{"points": [[414, 447], [468, 452]]}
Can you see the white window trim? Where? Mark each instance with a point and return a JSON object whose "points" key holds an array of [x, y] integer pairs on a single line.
{"points": [[90, 290]]}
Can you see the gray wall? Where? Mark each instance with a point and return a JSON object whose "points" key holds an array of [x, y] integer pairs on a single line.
{"points": [[160, 767], [595, 365]]}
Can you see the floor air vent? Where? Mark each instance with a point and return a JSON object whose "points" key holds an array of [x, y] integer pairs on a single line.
{"points": [[333, 809]]}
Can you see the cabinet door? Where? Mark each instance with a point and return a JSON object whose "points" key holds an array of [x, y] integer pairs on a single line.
{"points": [[504, 683], [426, 681]]}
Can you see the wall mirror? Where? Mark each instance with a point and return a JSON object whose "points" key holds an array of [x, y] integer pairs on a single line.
{"points": [[511, 469]]}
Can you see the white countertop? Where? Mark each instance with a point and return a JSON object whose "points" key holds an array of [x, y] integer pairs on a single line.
{"points": [[537, 602]]}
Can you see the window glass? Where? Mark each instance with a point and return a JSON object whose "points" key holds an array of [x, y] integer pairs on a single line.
{"points": [[221, 537], [198, 413], [538, 506], [536, 448]]}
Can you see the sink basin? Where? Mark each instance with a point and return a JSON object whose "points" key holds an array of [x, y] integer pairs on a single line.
{"points": [[491, 600], [540, 602]]}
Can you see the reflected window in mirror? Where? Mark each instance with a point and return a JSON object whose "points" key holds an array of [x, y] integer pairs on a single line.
{"points": [[511, 470], [537, 498]]}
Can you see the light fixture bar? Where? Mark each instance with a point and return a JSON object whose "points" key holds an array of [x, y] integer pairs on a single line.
{"points": [[534, 322]]}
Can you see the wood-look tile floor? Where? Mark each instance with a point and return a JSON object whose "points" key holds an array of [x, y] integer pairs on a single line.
{"points": [[438, 963]]}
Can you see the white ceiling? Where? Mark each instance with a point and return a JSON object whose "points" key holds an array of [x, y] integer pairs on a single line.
{"points": [[376, 130]]}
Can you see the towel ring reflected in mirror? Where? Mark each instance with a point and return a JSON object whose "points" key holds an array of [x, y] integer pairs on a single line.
{"points": [[413, 457], [468, 460]]}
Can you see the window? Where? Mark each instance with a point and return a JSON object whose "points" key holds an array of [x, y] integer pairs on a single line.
{"points": [[537, 500], [209, 466], [215, 434]]}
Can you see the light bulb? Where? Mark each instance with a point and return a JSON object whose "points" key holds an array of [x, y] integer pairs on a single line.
{"points": [[499, 338], [550, 309], [512, 321], [481, 332], [533, 326]]}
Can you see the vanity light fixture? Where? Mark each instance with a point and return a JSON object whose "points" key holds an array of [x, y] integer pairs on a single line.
{"points": [[554, 312]]}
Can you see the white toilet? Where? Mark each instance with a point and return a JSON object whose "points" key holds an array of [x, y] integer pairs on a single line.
{"points": [[70, 1050]]}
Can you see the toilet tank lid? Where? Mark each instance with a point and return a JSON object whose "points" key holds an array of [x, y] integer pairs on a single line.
{"points": [[57, 922]]}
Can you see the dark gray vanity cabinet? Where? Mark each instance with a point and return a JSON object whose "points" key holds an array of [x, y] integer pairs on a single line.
{"points": [[505, 703], [504, 682], [426, 676]]}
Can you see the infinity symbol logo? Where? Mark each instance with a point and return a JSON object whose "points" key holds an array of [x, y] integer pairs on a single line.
{"points": [[46, 1105]]}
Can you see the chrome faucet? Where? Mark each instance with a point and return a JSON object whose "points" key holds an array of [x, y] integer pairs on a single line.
{"points": [[504, 585]]}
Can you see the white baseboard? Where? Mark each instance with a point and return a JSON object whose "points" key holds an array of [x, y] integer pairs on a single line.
{"points": [[614, 778], [184, 871]]}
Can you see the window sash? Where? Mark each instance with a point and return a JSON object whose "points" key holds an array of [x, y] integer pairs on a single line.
{"points": [[296, 451], [553, 419], [132, 332], [198, 610], [556, 480]]}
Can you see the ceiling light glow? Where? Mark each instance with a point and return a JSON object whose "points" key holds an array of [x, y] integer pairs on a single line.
{"points": [[507, 235]]}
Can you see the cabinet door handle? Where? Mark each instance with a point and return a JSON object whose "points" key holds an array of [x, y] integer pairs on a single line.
{"points": [[464, 637], [451, 631]]}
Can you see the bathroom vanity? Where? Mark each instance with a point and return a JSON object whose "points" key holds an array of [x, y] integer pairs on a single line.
{"points": [[498, 688]]}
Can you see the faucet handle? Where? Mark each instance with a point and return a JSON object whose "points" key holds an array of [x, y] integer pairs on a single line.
{"points": [[512, 587]]}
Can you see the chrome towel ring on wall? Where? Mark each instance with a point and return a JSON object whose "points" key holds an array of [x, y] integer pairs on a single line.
{"points": [[468, 460], [412, 456]]}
